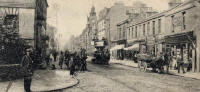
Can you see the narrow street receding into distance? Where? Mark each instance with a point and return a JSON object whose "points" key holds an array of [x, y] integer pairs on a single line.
{"points": [[120, 78]]}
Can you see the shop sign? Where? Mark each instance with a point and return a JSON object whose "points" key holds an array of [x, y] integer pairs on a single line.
{"points": [[100, 43], [178, 38]]}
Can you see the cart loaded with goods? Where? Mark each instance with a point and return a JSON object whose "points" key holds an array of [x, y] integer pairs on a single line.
{"points": [[148, 61]]}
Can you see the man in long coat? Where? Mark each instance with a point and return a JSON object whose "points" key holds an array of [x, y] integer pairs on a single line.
{"points": [[27, 66]]}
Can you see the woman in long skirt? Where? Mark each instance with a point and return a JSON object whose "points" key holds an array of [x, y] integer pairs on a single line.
{"points": [[72, 67]]}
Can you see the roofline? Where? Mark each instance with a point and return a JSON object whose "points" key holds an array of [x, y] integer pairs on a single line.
{"points": [[160, 14]]}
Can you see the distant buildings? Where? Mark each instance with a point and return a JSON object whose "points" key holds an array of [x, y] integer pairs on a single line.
{"points": [[104, 26]]}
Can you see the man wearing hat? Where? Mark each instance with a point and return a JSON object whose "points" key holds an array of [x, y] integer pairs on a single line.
{"points": [[26, 65]]}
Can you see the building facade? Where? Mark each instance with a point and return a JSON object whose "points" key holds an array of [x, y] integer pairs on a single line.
{"points": [[175, 30], [117, 13], [102, 24], [181, 32], [129, 33], [90, 32], [19, 22]]}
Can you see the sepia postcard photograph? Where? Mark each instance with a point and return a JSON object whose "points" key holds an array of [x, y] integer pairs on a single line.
{"points": [[99, 45]]}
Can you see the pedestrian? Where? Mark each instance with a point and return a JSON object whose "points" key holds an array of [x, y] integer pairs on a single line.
{"points": [[167, 60], [66, 59], [54, 58], [78, 62], [52, 62], [180, 64], [72, 66], [107, 56], [47, 59], [61, 59], [27, 67]]}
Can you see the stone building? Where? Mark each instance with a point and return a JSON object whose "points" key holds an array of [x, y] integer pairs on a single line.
{"points": [[117, 13], [175, 30], [182, 32], [23, 19], [91, 28], [102, 24], [125, 29]]}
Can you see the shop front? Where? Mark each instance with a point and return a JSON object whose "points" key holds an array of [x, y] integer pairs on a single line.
{"points": [[155, 45], [131, 51], [117, 52], [181, 44]]}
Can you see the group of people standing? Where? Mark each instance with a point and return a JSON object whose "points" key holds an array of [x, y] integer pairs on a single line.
{"points": [[177, 63], [72, 61]]}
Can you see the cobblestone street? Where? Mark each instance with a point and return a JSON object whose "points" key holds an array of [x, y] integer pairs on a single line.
{"points": [[119, 78]]}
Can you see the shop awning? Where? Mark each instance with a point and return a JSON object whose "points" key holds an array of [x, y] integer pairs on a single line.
{"points": [[133, 47], [117, 47]]}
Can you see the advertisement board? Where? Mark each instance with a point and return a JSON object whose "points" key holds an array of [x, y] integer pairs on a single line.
{"points": [[101, 43]]}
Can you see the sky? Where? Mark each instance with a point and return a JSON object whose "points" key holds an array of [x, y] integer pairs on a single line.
{"points": [[70, 16]]}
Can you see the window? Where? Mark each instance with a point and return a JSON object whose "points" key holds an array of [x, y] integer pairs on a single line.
{"points": [[148, 28], [136, 31], [140, 31], [153, 27], [159, 25], [119, 33], [124, 35], [184, 26], [132, 31], [129, 32], [144, 29], [172, 19]]}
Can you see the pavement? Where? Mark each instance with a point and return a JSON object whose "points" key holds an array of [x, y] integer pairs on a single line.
{"points": [[43, 80], [174, 72]]}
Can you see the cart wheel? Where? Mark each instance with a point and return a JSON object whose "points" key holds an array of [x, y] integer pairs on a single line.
{"points": [[145, 66]]}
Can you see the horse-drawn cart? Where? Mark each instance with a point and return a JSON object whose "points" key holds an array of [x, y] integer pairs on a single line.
{"points": [[147, 61]]}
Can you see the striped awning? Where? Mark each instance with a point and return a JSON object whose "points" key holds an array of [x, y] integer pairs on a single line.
{"points": [[133, 47]]}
